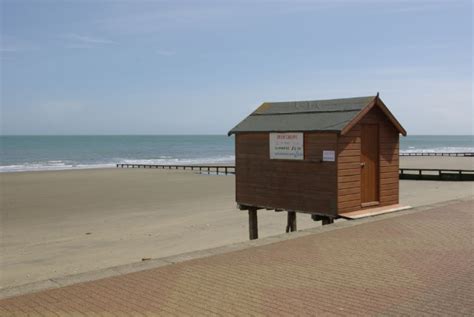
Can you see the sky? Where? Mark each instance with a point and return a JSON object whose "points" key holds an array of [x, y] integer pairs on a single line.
{"points": [[199, 67]]}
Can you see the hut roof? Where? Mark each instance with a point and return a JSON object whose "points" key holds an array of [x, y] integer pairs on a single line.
{"points": [[334, 115]]}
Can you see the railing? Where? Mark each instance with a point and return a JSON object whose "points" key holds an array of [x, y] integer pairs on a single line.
{"points": [[436, 174], [469, 154], [216, 169]]}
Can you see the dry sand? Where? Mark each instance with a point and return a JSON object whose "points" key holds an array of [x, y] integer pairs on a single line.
{"points": [[60, 223], [465, 163]]}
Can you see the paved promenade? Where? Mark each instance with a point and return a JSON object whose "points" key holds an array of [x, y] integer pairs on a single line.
{"points": [[416, 263]]}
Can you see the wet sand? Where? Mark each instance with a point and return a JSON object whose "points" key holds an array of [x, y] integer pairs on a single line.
{"points": [[65, 222]]}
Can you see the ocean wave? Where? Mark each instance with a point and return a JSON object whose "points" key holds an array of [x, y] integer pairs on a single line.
{"points": [[57, 165], [31, 167], [180, 161]]}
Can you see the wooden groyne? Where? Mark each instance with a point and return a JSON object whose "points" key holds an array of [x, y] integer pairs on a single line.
{"points": [[436, 174], [404, 173], [458, 154], [208, 169]]}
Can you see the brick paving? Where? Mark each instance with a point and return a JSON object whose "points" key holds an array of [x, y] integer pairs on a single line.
{"points": [[415, 264]]}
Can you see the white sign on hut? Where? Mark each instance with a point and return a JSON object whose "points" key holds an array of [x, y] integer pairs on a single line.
{"points": [[286, 146]]}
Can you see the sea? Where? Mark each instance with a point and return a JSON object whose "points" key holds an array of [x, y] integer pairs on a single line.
{"points": [[38, 153]]}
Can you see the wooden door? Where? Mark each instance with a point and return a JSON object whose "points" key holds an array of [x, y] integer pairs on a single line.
{"points": [[369, 164]]}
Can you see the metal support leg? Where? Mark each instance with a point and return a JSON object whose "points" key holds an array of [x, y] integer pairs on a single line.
{"points": [[253, 224], [327, 220], [291, 222]]}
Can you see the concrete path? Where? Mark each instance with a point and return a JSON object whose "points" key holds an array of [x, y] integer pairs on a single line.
{"points": [[415, 263]]}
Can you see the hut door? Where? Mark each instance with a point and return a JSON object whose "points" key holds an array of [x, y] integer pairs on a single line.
{"points": [[369, 165]]}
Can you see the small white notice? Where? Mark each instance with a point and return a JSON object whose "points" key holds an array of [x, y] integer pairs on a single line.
{"points": [[329, 156], [286, 146]]}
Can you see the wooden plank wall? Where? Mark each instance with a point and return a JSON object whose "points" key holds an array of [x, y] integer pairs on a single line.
{"points": [[349, 164], [308, 185]]}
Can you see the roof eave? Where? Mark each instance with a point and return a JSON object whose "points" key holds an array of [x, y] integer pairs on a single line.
{"points": [[379, 103], [391, 117]]}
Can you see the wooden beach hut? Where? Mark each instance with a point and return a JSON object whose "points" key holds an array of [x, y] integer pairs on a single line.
{"points": [[327, 158]]}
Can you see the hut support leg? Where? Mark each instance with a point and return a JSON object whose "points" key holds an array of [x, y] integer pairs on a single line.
{"points": [[327, 220], [253, 224], [324, 219], [291, 222]]}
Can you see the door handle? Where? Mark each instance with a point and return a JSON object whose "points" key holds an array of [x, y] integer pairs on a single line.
{"points": [[362, 164]]}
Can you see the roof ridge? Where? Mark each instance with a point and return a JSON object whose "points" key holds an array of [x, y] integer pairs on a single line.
{"points": [[313, 100], [301, 112]]}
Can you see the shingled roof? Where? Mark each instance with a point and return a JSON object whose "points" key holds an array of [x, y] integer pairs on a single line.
{"points": [[334, 115]]}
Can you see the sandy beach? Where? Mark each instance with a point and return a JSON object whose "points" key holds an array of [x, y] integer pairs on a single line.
{"points": [[59, 223], [465, 163]]}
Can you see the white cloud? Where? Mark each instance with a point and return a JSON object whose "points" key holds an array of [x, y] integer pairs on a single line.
{"points": [[156, 17], [85, 41]]}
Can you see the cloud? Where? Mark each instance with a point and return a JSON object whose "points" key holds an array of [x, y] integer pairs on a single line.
{"points": [[156, 17], [163, 16], [85, 41], [89, 39]]}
